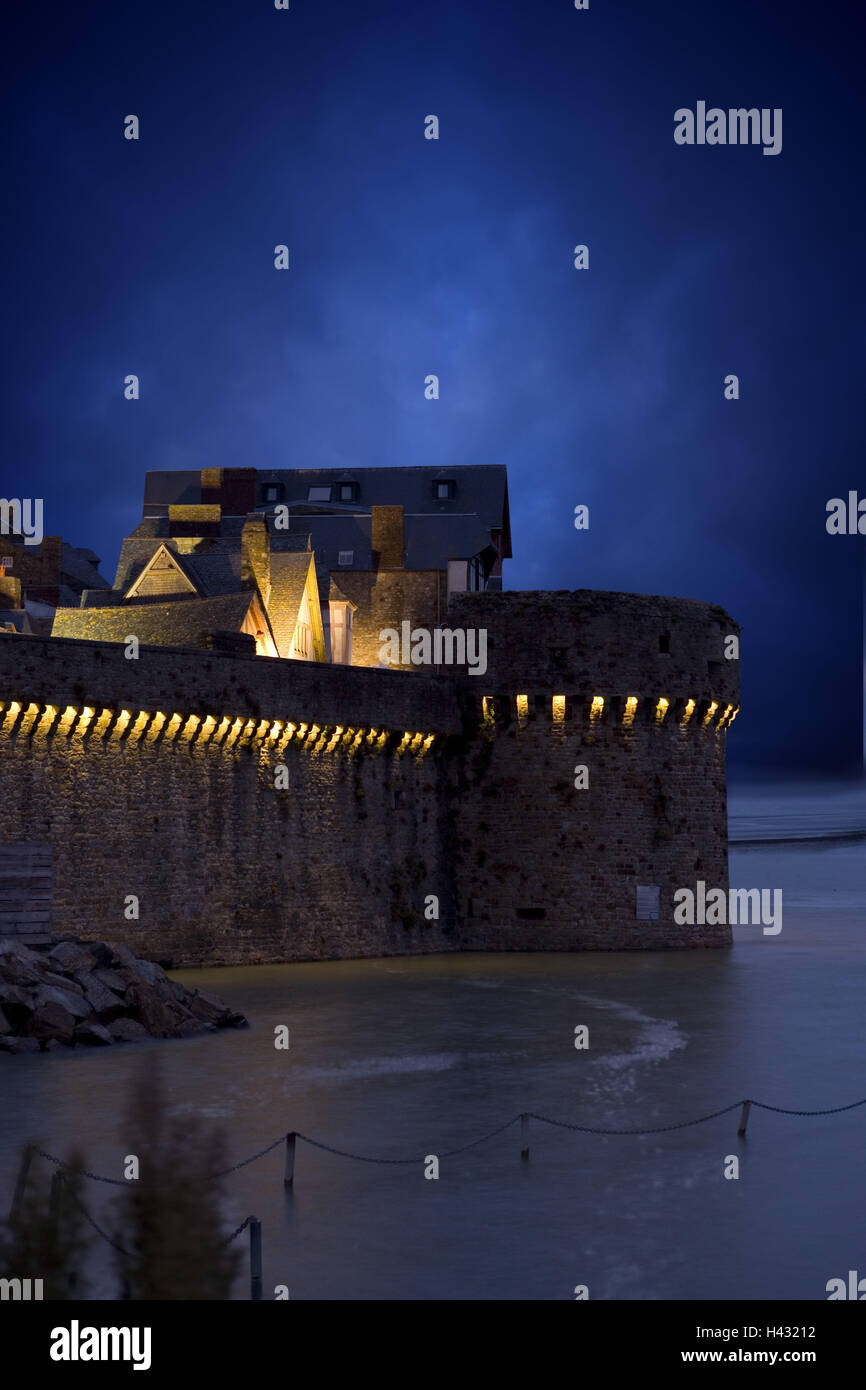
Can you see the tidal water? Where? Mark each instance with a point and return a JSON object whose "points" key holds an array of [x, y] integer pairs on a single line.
{"points": [[414, 1057]]}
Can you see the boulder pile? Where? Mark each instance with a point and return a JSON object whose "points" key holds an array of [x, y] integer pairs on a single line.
{"points": [[73, 993]]}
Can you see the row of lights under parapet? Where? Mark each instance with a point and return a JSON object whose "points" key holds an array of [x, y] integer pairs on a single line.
{"points": [[49, 721], [704, 713]]}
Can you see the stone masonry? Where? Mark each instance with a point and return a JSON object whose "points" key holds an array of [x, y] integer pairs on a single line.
{"points": [[155, 779]]}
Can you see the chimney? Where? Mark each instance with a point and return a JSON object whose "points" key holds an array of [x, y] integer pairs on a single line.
{"points": [[51, 554], [10, 591], [387, 537], [256, 556]]}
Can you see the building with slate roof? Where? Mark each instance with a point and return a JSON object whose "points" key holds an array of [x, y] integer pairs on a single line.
{"points": [[331, 557], [36, 580]]}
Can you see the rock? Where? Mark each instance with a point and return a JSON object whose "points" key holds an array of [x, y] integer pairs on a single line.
{"points": [[74, 1003], [161, 1017], [93, 1034], [17, 1004], [144, 972], [206, 1006], [95, 993], [10, 947], [60, 982], [50, 1020], [110, 979], [18, 972], [126, 1030], [118, 957], [103, 1001], [72, 956], [8, 1044], [190, 1026]]}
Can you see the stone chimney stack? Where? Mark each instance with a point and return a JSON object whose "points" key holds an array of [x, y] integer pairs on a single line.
{"points": [[256, 556], [388, 538]]}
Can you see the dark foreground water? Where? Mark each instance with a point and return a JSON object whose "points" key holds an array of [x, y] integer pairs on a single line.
{"points": [[415, 1057]]}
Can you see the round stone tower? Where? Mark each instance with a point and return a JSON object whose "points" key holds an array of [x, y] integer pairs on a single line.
{"points": [[592, 781]]}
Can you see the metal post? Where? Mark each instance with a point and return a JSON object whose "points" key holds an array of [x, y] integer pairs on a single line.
{"points": [[744, 1117], [255, 1259], [289, 1178], [524, 1136]]}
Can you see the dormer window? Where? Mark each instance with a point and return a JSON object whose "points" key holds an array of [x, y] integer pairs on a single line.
{"points": [[318, 494], [270, 492], [348, 492], [345, 557], [443, 489]]}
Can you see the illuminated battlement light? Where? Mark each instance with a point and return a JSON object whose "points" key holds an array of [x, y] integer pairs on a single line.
{"points": [[558, 709], [711, 711], [155, 726], [630, 708], [522, 706], [49, 714], [84, 719], [302, 730], [12, 717], [139, 726], [688, 711], [382, 739], [190, 727], [416, 742], [222, 730], [487, 710], [428, 742], [662, 708], [234, 733], [314, 732], [122, 721], [597, 707], [207, 728], [371, 736], [103, 723]]}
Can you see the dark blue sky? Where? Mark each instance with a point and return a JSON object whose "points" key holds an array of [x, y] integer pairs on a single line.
{"points": [[411, 256]]}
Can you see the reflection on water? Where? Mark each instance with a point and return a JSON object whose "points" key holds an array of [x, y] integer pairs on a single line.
{"points": [[418, 1056]]}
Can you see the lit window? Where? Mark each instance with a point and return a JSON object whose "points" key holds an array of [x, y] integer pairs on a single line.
{"points": [[443, 489], [319, 494], [346, 557]]}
